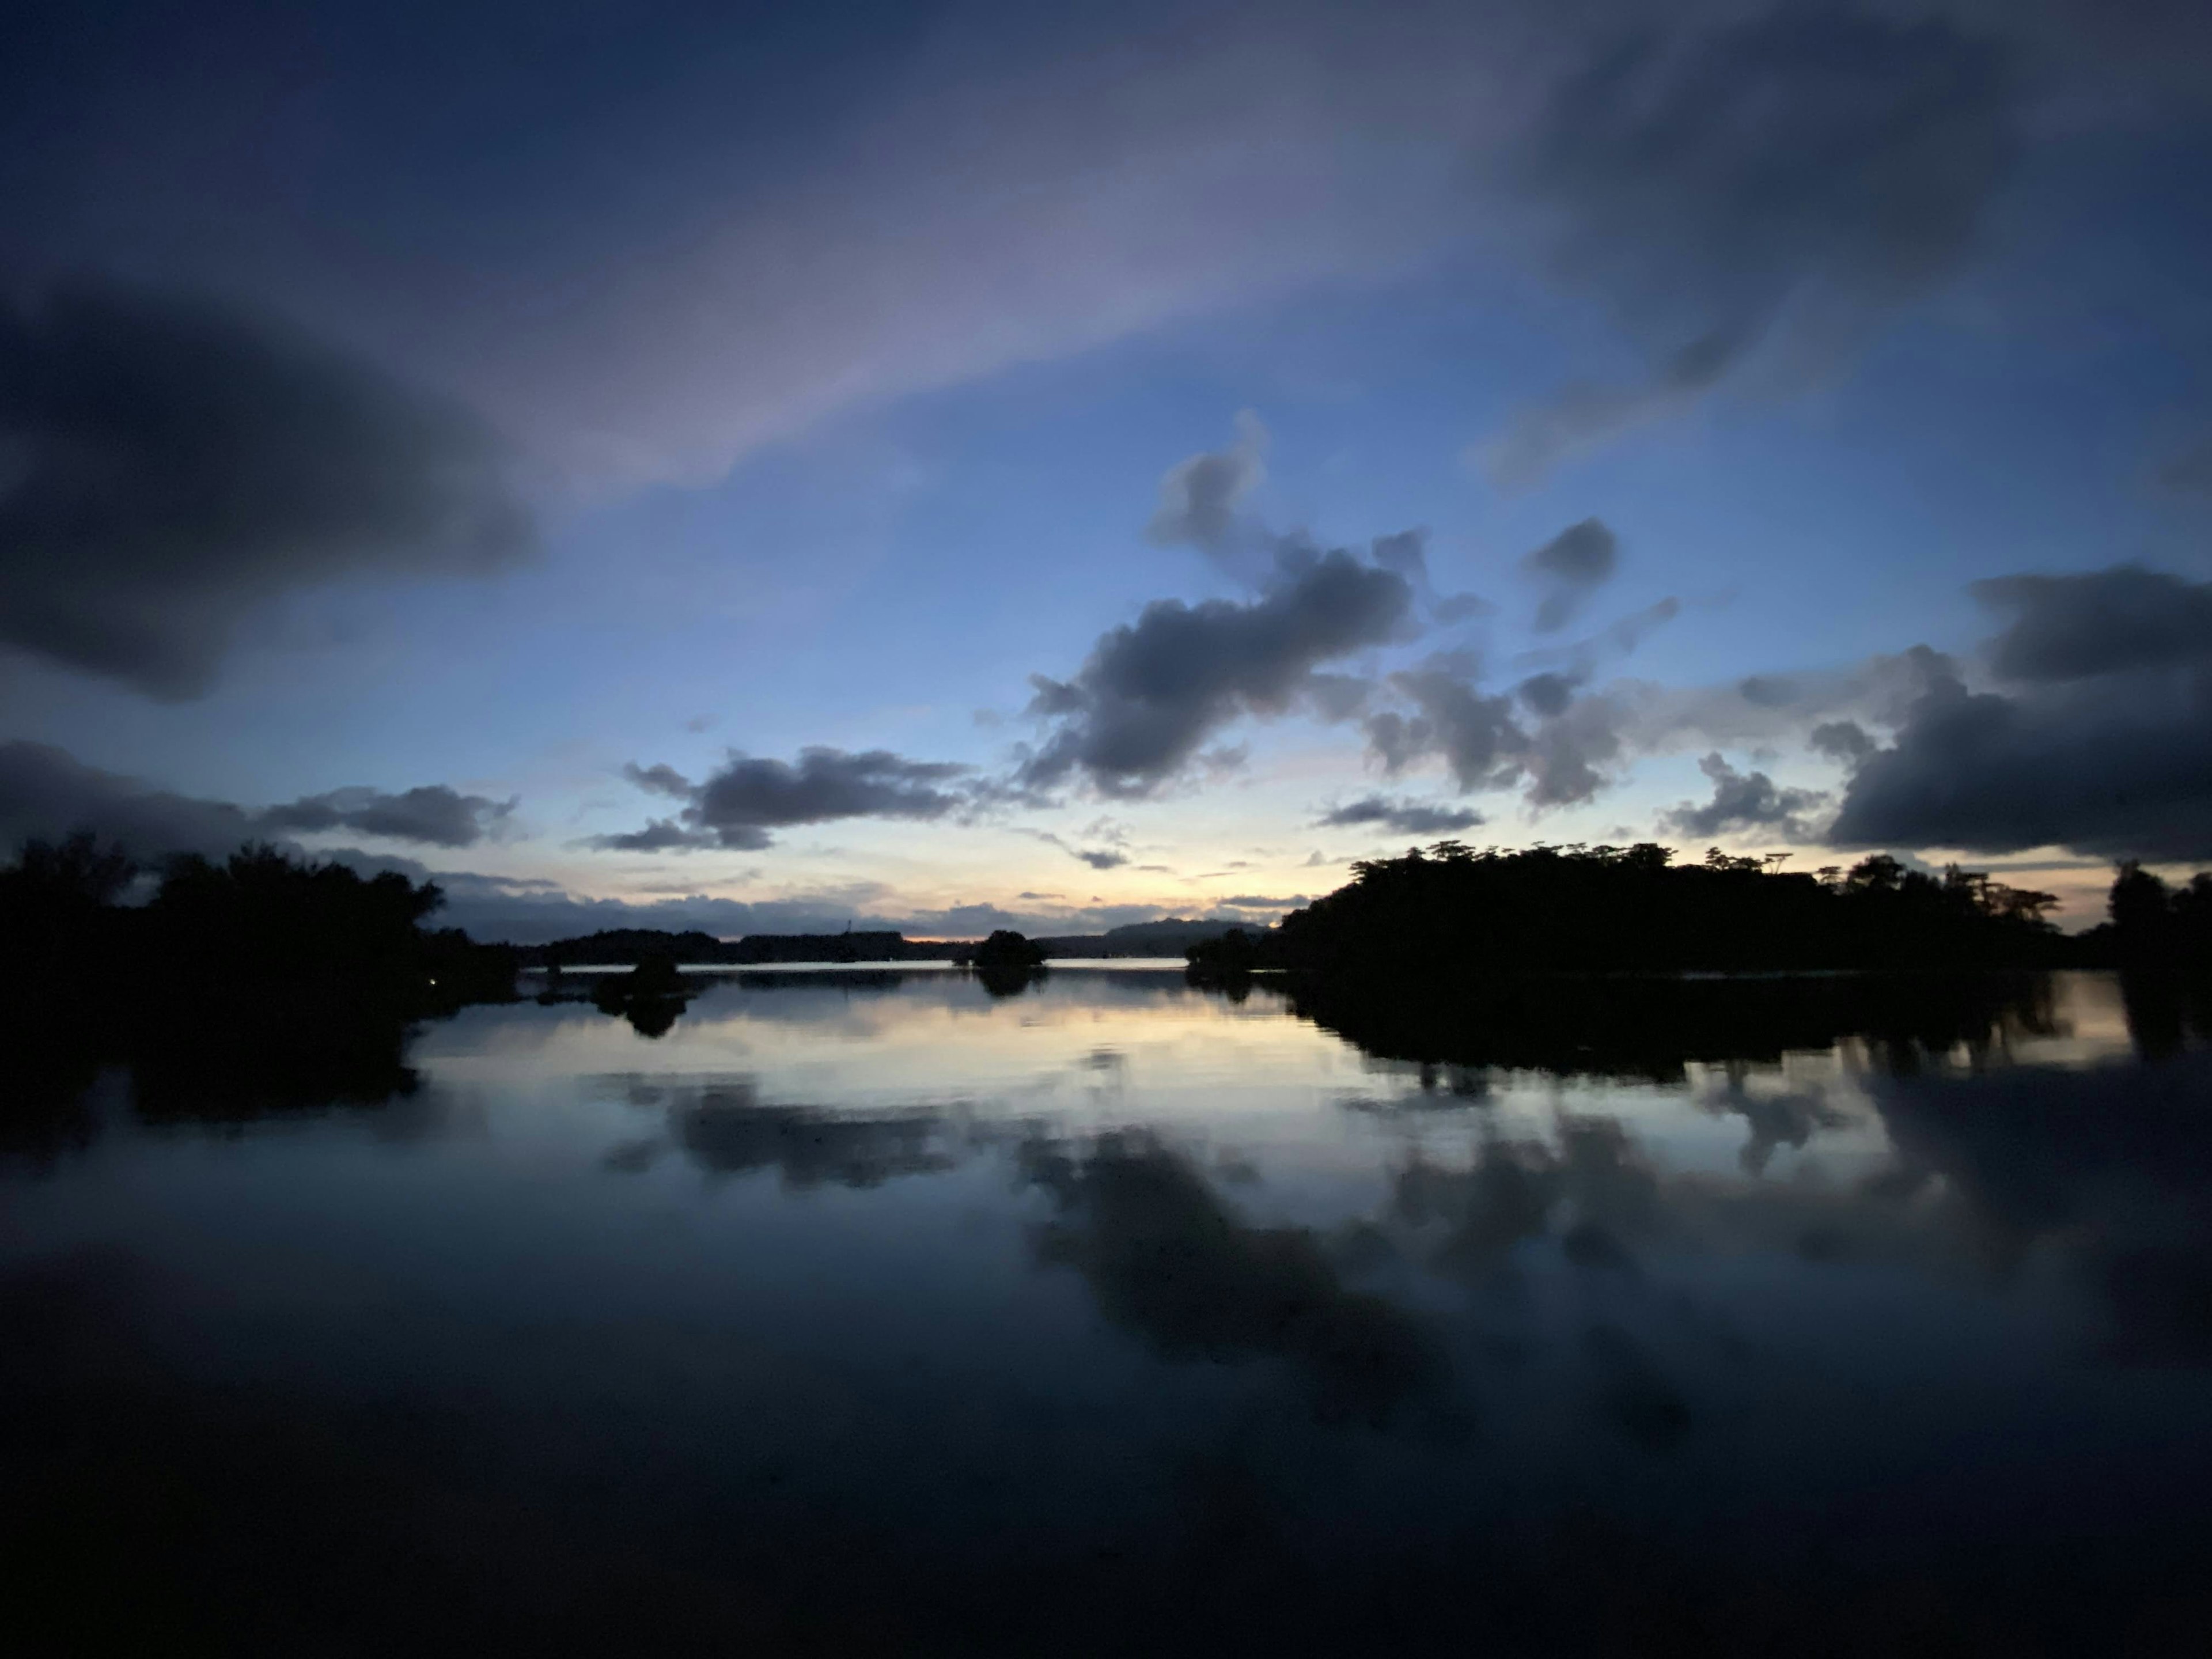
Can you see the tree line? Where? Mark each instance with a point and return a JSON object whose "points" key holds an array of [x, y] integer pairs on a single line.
{"points": [[1451, 909], [226, 987]]}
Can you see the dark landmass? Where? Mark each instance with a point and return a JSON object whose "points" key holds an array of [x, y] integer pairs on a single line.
{"points": [[234, 988], [1008, 949], [1451, 911], [1169, 937], [622, 946]]}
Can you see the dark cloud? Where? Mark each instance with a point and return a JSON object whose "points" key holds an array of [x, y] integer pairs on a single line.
{"points": [[2105, 622], [825, 784], [660, 781], [1141, 709], [2098, 737], [1562, 759], [46, 792], [1809, 167], [1098, 858], [740, 805], [659, 835], [1573, 565], [1406, 552], [1547, 693], [1199, 497], [1743, 802], [166, 464], [1842, 740], [1476, 735], [1403, 817], [435, 814], [1267, 902]]}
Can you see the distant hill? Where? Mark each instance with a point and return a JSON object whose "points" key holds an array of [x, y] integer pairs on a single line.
{"points": [[622, 945], [632, 945], [1170, 937]]}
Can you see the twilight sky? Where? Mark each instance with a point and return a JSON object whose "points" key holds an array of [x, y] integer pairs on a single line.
{"points": [[965, 465]]}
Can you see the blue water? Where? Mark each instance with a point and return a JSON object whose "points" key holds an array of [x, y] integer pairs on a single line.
{"points": [[872, 1312]]}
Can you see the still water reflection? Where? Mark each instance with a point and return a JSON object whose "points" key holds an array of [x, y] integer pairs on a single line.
{"points": [[878, 1312]]}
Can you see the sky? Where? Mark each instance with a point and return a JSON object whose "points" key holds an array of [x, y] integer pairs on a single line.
{"points": [[953, 466]]}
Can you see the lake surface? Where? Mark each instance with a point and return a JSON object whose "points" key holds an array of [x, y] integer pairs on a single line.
{"points": [[871, 1312]]}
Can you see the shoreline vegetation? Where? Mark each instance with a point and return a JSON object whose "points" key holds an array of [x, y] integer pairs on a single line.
{"points": [[263, 979], [1452, 913]]}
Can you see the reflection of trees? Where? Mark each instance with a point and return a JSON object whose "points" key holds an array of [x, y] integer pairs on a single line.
{"points": [[210, 1058], [1168, 1259], [249, 1064], [259, 984], [1652, 1027], [2166, 1011]]}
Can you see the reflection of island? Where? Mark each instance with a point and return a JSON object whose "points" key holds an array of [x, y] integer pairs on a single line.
{"points": [[650, 996], [1007, 963], [1652, 1026]]}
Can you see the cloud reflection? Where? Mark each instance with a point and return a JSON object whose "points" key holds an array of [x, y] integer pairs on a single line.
{"points": [[1170, 1261]]}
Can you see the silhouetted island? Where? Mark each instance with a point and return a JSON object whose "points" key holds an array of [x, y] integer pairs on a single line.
{"points": [[1451, 910]]}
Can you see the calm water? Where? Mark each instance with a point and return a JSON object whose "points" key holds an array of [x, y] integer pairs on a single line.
{"points": [[869, 1312]]}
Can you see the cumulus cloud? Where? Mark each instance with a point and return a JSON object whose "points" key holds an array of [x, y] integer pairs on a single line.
{"points": [[1199, 497], [1406, 552], [1743, 802], [749, 797], [47, 792], [1547, 693], [1562, 758], [1573, 565], [1845, 741], [1403, 817], [166, 464], [1476, 734], [1806, 167], [660, 781], [2096, 735], [1153, 691]]}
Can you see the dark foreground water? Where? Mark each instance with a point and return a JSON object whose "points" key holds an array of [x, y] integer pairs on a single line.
{"points": [[871, 1313]]}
